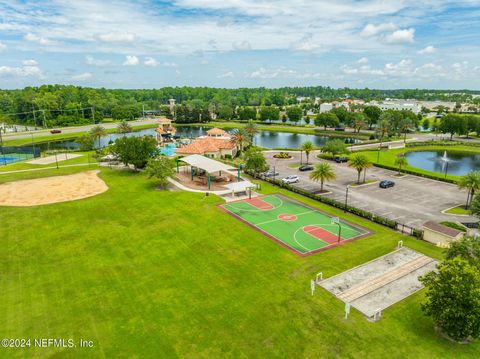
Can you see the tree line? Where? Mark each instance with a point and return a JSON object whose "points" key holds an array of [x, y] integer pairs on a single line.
{"points": [[59, 105]]}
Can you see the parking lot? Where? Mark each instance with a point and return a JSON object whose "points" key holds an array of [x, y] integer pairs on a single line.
{"points": [[412, 201]]}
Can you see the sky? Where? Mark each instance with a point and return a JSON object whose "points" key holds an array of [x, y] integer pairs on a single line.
{"points": [[241, 43]]}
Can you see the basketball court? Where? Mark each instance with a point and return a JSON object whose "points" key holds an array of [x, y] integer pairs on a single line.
{"points": [[298, 227]]}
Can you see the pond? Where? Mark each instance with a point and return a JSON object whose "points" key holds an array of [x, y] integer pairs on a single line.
{"points": [[455, 163], [267, 139]]}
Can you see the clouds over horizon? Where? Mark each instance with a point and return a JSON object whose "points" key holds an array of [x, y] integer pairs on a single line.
{"points": [[271, 42]]}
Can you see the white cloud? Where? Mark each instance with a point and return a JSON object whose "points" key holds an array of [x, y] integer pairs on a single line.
{"points": [[29, 63], [228, 74], [282, 72], [427, 50], [89, 60], [82, 77], [371, 30], [150, 61], [24, 71], [304, 44], [3, 47], [116, 37], [362, 61], [131, 60], [170, 64], [401, 36], [242, 45], [39, 39]]}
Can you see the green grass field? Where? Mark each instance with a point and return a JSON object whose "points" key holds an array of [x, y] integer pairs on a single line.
{"points": [[302, 229], [145, 273]]}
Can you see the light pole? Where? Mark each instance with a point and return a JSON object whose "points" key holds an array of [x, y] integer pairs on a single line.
{"points": [[346, 199]]}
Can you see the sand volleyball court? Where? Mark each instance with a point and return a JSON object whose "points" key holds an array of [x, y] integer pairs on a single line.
{"points": [[49, 190]]}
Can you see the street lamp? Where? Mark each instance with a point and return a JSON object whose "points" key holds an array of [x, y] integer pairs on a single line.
{"points": [[346, 199]]}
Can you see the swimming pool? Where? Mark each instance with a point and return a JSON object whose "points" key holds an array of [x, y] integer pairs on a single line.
{"points": [[6, 160], [168, 150]]}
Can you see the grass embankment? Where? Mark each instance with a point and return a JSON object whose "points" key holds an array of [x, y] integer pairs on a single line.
{"points": [[164, 274], [387, 157], [459, 210]]}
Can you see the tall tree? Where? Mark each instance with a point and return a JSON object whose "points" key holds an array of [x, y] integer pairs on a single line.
{"points": [[401, 162], [98, 132], [471, 182], [453, 298], [322, 172], [360, 162], [326, 119], [161, 168], [334, 147], [307, 147], [241, 138], [255, 161], [373, 115]]}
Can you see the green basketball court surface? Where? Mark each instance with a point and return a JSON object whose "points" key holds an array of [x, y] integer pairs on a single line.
{"points": [[296, 226]]}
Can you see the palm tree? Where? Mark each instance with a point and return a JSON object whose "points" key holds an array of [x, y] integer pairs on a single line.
{"points": [[241, 138], [367, 165], [252, 129], [470, 181], [382, 129], [322, 172], [359, 162], [401, 162], [307, 147], [98, 132], [124, 127]]}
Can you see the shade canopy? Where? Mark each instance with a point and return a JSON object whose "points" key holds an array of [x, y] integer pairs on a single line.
{"points": [[206, 164], [239, 186]]}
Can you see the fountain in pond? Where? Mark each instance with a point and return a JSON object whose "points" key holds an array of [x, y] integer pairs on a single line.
{"points": [[444, 157]]}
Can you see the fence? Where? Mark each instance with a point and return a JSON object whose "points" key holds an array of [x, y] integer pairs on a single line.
{"points": [[11, 154]]}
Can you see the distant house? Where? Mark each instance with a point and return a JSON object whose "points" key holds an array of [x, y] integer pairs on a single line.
{"points": [[216, 144], [398, 105], [325, 107], [439, 234]]}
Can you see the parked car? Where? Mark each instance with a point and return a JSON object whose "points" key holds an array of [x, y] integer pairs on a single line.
{"points": [[339, 159], [290, 179], [339, 129], [305, 168], [55, 131], [386, 184], [270, 173]]}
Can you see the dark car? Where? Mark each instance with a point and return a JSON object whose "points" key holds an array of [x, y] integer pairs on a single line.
{"points": [[386, 184], [340, 129], [341, 159], [305, 168], [55, 131]]}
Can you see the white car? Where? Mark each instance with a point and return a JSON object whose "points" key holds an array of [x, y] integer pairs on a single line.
{"points": [[290, 179]]}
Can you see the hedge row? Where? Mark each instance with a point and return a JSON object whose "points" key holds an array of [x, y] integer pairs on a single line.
{"points": [[359, 212], [425, 175]]}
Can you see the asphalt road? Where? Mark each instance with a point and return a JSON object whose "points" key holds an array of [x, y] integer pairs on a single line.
{"points": [[412, 201], [67, 130]]}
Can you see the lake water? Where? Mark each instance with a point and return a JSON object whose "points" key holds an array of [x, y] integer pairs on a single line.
{"points": [[458, 163], [267, 139]]}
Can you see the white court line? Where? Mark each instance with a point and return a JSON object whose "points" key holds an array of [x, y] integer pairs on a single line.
{"points": [[256, 209], [278, 219]]}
